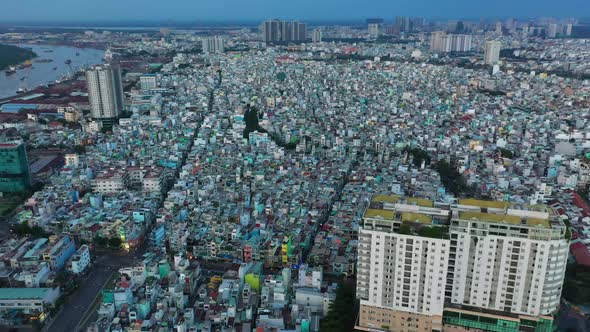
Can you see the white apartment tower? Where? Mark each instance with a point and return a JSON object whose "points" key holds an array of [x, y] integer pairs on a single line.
{"points": [[426, 266], [441, 42], [316, 36], [105, 91], [373, 29], [492, 52], [213, 45]]}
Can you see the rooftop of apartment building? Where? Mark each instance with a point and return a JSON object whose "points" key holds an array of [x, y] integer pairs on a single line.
{"points": [[416, 215]]}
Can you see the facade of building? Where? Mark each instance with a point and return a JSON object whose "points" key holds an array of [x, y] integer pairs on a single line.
{"points": [[148, 81], [61, 250], [80, 261], [105, 91], [420, 260], [492, 52], [14, 167], [28, 301]]}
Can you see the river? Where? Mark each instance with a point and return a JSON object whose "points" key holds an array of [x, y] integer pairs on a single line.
{"points": [[42, 73]]}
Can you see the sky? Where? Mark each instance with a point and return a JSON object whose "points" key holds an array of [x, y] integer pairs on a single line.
{"points": [[252, 10]]}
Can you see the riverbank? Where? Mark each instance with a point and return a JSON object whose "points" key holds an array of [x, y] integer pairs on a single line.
{"points": [[65, 62], [14, 55]]}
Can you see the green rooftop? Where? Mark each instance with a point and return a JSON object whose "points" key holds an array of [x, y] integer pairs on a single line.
{"points": [[504, 219], [484, 204], [23, 293]]}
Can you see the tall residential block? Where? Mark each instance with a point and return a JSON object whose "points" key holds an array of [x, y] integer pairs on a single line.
{"points": [[105, 91], [14, 167], [473, 265], [492, 52], [373, 29], [441, 42], [275, 31], [213, 45], [316, 36]]}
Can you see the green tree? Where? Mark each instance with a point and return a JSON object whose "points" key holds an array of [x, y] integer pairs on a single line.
{"points": [[341, 316], [115, 242]]}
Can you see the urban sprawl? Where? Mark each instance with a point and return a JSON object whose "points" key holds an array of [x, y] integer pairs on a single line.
{"points": [[410, 175]]}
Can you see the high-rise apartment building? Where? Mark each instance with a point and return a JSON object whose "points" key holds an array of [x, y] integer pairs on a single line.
{"points": [[442, 42], [473, 265], [271, 31], [568, 29], [316, 36], [552, 30], [214, 44], [274, 31], [492, 52], [299, 32], [404, 23], [436, 40], [373, 29], [105, 91], [14, 167]]}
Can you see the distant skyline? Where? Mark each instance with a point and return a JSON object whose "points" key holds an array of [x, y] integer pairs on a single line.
{"points": [[256, 10]]}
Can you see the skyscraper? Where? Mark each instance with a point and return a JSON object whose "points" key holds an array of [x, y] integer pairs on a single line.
{"points": [[552, 30], [271, 31], [14, 167], [299, 31], [373, 29], [492, 52], [316, 36], [105, 91], [274, 31], [214, 44], [442, 42], [436, 40], [404, 23], [425, 266]]}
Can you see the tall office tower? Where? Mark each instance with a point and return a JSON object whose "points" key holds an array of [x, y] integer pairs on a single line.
{"points": [[474, 265], [460, 27], [373, 30], [436, 40], [452, 26], [492, 52], [271, 31], [14, 167], [105, 91], [316, 36], [214, 44]]}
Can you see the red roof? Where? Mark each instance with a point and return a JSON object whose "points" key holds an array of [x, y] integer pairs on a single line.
{"points": [[581, 254]]}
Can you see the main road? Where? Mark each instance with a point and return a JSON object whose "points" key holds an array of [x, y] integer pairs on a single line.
{"points": [[76, 313], [78, 305]]}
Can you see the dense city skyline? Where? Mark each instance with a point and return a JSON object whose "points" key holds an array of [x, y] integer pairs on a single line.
{"points": [[234, 10], [305, 166]]}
